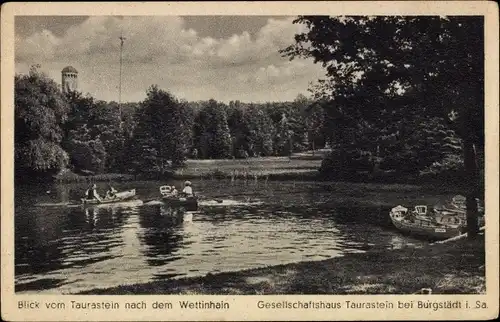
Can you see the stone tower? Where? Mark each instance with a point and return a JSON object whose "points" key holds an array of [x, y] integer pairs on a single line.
{"points": [[69, 79]]}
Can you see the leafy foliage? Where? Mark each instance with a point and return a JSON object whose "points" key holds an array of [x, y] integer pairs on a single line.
{"points": [[212, 135], [387, 72], [94, 136], [40, 111], [380, 87], [259, 132], [162, 136], [88, 155]]}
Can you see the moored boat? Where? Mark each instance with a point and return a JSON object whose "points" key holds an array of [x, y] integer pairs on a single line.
{"points": [[418, 222], [458, 205], [117, 197], [455, 211]]}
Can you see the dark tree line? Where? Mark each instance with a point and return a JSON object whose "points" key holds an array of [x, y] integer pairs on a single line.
{"points": [[57, 131], [158, 134]]}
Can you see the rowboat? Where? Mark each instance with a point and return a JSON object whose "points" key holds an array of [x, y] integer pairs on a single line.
{"points": [[118, 197], [172, 199], [188, 203], [458, 205], [419, 222], [455, 211]]}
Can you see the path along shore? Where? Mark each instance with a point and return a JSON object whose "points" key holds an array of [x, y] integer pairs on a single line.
{"points": [[456, 267]]}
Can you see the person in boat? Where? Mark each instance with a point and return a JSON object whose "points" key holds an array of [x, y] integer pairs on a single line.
{"points": [[91, 193], [188, 190], [111, 193], [174, 191], [166, 190]]}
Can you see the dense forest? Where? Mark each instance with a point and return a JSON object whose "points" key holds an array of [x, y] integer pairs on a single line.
{"points": [[382, 109], [56, 131]]}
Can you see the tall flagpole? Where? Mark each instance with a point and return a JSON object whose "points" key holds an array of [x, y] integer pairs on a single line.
{"points": [[122, 39]]}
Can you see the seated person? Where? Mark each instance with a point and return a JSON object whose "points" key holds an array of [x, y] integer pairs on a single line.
{"points": [[188, 190], [111, 192], [174, 191], [91, 193], [166, 190]]}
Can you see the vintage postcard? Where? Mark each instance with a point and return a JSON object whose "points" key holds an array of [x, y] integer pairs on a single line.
{"points": [[250, 161]]}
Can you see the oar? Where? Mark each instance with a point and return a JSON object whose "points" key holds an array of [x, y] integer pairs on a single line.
{"points": [[151, 199], [59, 204], [216, 198]]}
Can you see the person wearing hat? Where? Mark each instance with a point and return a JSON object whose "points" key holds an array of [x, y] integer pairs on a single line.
{"points": [[188, 190]]}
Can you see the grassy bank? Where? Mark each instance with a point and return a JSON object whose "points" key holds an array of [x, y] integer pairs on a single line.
{"points": [[260, 168], [71, 177], [451, 268], [268, 168], [298, 167]]}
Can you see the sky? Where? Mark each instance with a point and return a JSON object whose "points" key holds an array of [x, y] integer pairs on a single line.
{"points": [[193, 57]]}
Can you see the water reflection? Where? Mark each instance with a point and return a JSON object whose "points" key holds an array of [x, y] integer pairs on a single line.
{"points": [[67, 250], [160, 234], [49, 240]]}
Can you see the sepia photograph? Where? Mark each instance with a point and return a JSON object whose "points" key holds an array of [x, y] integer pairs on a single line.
{"points": [[233, 154]]}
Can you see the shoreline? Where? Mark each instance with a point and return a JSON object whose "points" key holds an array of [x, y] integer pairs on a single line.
{"points": [[265, 168], [298, 167], [298, 176], [455, 267]]}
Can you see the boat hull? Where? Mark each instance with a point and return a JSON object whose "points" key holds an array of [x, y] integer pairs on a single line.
{"points": [[431, 232], [119, 197], [189, 203]]}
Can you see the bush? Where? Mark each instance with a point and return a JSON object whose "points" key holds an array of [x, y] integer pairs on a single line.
{"points": [[452, 166], [346, 164], [88, 155], [241, 154]]}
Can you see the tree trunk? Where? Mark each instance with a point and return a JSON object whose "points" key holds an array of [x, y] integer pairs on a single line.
{"points": [[471, 177]]}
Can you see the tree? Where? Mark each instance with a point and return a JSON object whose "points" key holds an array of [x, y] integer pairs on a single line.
{"points": [[235, 120], [259, 132], [297, 120], [141, 148], [315, 123], [433, 64], [88, 155], [184, 117], [40, 111], [212, 134], [289, 121], [163, 132], [106, 126], [278, 114], [93, 134]]}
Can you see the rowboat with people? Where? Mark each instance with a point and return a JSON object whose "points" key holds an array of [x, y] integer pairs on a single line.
{"points": [[438, 222], [117, 197], [185, 199], [419, 222], [188, 203], [112, 196]]}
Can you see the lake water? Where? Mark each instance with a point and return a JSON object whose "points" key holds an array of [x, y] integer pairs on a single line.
{"points": [[71, 249]]}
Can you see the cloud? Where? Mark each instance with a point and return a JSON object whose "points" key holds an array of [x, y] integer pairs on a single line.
{"points": [[42, 44], [162, 50]]}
